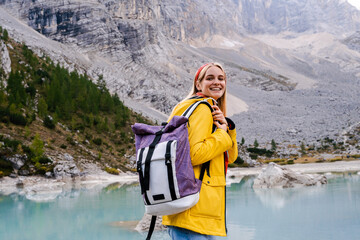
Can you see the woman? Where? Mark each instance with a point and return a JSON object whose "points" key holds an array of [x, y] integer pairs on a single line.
{"points": [[207, 218]]}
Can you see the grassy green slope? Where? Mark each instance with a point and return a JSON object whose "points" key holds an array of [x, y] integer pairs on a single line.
{"points": [[47, 111]]}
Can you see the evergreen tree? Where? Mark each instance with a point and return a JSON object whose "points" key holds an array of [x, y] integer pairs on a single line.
{"points": [[2, 93], [256, 144], [117, 101], [273, 145], [93, 100], [15, 88], [2, 97], [101, 83], [16, 116], [120, 119], [242, 141], [102, 126], [37, 147], [5, 35], [49, 122], [42, 107], [55, 93], [31, 90], [12, 108], [29, 56], [302, 148], [106, 103]]}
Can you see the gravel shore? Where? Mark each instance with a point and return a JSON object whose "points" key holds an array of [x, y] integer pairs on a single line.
{"points": [[46, 189], [340, 166]]}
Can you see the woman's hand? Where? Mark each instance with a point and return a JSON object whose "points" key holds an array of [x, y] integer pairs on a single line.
{"points": [[219, 118]]}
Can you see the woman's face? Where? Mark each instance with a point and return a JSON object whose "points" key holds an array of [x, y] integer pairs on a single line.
{"points": [[213, 84]]}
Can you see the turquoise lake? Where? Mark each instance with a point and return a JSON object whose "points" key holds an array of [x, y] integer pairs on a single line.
{"points": [[330, 211]]}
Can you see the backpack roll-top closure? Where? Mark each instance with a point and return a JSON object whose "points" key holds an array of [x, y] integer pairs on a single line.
{"points": [[144, 129]]}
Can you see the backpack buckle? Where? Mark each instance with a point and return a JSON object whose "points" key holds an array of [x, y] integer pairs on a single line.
{"points": [[167, 156]]}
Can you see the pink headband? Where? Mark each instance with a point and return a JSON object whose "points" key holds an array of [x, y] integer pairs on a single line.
{"points": [[199, 70]]}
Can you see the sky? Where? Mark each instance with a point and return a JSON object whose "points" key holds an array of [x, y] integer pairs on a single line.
{"points": [[355, 3]]}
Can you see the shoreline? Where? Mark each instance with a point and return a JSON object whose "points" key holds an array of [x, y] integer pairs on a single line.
{"points": [[43, 189], [306, 168]]}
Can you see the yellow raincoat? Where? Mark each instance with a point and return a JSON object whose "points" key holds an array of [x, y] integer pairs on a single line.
{"points": [[208, 215]]}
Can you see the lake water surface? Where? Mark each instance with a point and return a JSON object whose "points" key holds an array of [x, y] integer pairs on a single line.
{"points": [[330, 211]]}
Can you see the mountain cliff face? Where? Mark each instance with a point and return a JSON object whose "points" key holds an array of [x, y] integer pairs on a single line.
{"points": [[285, 59], [134, 24], [353, 41], [274, 16]]}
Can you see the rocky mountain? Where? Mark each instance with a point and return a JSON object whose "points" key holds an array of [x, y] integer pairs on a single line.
{"points": [[353, 41], [291, 75], [275, 16]]}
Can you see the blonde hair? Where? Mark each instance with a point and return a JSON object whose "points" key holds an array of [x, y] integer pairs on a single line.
{"points": [[200, 76]]}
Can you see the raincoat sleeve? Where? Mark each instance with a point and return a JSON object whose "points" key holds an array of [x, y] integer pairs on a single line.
{"points": [[233, 151], [205, 145]]}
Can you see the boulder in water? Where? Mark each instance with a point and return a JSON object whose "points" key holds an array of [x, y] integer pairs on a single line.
{"points": [[275, 176]]}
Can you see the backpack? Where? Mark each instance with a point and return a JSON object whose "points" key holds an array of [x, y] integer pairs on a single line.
{"points": [[166, 175]]}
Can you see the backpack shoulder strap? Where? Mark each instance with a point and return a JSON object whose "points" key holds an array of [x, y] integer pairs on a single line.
{"points": [[187, 113], [152, 227]]}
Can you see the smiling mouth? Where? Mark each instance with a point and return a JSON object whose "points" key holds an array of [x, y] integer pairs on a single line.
{"points": [[215, 89]]}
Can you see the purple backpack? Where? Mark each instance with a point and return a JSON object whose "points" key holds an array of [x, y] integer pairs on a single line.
{"points": [[166, 175]]}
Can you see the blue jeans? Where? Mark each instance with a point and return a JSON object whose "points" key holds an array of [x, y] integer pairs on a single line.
{"points": [[177, 233]]}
